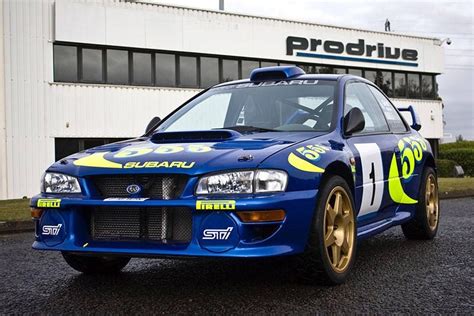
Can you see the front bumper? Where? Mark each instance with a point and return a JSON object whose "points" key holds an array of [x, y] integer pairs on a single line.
{"points": [[64, 228]]}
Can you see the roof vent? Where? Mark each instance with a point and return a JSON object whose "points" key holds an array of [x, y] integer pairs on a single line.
{"points": [[275, 73]]}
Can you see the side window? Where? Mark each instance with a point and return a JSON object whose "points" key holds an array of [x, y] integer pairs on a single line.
{"points": [[393, 118], [358, 95]]}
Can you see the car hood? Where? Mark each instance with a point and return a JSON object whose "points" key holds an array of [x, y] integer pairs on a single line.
{"points": [[180, 152]]}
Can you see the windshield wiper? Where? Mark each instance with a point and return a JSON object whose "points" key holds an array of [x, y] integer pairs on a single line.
{"points": [[250, 129]]}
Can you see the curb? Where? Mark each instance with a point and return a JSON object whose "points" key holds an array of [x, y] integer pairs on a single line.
{"points": [[16, 227], [456, 194], [29, 226]]}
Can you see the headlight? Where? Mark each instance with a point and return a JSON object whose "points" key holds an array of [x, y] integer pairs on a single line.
{"points": [[59, 183], [270, 180], [237, 182]]}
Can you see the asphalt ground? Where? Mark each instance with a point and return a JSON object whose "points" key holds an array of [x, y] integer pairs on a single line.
{"points": [[391, 275]]}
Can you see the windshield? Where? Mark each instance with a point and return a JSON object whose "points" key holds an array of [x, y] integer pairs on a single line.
{"points": [[296, 105]]}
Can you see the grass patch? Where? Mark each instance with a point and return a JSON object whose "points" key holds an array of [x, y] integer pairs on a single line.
{"points": [[456, 145], [19, 210], [455, 184], [15, 210]]}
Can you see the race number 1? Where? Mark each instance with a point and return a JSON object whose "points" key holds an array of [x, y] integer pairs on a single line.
{"points": [[372, 177]]}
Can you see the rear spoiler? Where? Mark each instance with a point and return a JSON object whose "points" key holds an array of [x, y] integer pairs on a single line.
{"points": [[416, 125]]}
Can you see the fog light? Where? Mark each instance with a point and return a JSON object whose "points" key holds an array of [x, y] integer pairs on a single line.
{"points": [[261, 216], [36, 213]]}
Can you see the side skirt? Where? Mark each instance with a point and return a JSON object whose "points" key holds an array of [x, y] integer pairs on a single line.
{"points": [[378, 227]]}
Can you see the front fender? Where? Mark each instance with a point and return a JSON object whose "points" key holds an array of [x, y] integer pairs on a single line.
{"points": [[306, 162]]}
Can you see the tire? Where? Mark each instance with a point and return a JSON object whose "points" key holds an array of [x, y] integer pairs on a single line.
{"points": [[95, 265], [316, 264], [425, 222]]}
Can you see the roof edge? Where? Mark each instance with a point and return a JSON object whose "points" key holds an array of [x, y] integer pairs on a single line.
{"points": [[147, 2]]}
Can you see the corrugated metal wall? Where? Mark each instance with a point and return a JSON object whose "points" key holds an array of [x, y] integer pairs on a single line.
{"points": [[430, 113], [38, 110], [3, 147]]}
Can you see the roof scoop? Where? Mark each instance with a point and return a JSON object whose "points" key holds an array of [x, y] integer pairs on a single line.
{"points": [[275, 73], [194, 136]]}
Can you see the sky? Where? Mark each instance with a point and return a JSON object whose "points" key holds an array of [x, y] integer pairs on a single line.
{"points": [[431, 18]]}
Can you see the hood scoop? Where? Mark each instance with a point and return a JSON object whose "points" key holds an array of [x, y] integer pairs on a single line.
{"points": [[249, 144], [197, 136]]}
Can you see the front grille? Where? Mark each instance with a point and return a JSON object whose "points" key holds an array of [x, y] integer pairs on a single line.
{"points": [[159, 187], [165, 224]]}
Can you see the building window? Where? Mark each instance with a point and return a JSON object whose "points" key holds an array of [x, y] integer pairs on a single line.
{"points": [[339, 71], [427, 88], [165, 65], [65, 63], [355, 72], [101, 64], [286, 64], [230, 70], [370, 75], [188, 71], [142, 69], [92, 67], [209, 71], [414, 86], [400, 89], [323, 70], [384, 82], [248, 66], [268, 64], [383, 79], [309, 69], [117, 66]]}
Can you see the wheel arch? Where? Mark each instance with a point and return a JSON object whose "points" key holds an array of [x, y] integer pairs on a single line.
{"points": [[430, 162], [339, 168]]}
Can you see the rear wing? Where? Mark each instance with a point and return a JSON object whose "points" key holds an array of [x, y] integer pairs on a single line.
{"points": [[416, 125]]}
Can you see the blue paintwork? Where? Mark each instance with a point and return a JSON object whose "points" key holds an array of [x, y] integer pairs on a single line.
{"points": [[268, 150]]}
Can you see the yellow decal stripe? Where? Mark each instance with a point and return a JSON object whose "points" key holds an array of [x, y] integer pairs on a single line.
{"points": [[97, 160], [303, 165], [395, 186]]}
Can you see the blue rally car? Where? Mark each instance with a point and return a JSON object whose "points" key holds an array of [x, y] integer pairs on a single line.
{"points": [[283, 163]]}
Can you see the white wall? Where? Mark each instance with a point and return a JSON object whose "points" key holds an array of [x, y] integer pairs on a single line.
{"points": [[37, 110], [34, 110], [3, 149], [192, 30], [430, 113]]}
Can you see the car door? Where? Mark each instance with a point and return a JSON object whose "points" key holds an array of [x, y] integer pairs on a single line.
{"points": [[373, 148], [407, 159]]}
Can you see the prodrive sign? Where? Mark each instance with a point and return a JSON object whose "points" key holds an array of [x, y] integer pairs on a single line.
{"points": [[358, 51]]}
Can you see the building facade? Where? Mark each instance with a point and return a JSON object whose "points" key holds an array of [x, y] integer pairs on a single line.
{"points": [[76, 74]]}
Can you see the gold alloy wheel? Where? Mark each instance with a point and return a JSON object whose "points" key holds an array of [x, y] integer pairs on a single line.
{"points": [[431, 199], [339, 229]]}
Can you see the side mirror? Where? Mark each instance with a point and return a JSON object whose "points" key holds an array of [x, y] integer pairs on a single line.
{"points": [[354, 121], [154, 121], [415, 120]]}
